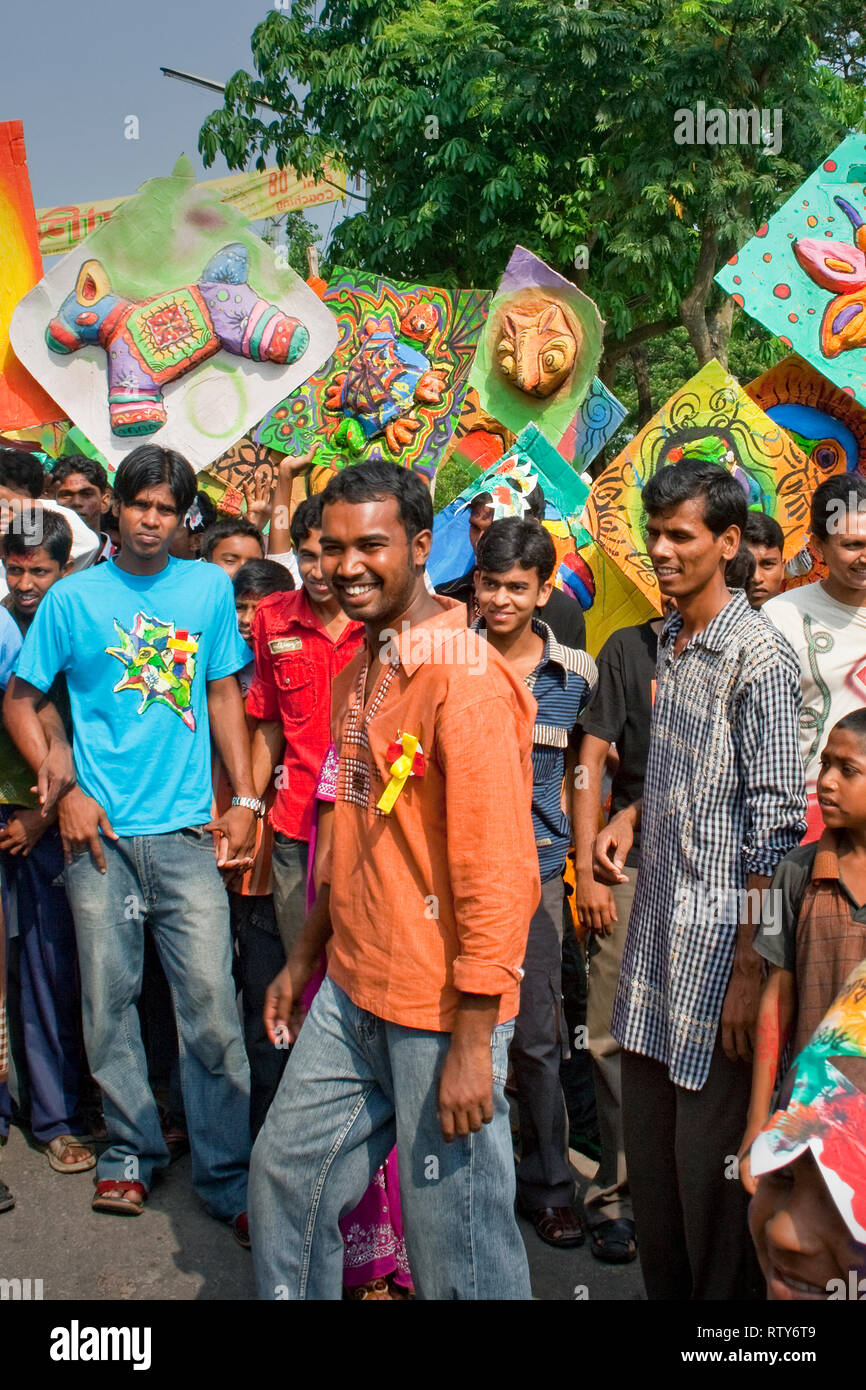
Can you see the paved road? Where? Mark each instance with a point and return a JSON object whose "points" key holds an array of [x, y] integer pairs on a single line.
{"points": [[175, 1251]]}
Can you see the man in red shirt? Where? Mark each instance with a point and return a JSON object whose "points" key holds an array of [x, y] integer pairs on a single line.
{"points": [[301, 641]]}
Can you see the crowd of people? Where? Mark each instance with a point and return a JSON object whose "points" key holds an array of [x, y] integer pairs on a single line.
{"points": [[293, 848]]}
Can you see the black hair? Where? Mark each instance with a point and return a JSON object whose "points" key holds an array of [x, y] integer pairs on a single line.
{"points": [[207, 513], [53, 535], [307, 518], [262, 577], [724, 499], [844, 491], [22, 472], [740, 569], [88, 468], [764, 530], [854, 723], [222, 530], [375, 482], [147, 467], [515, 540], [535, 501]]}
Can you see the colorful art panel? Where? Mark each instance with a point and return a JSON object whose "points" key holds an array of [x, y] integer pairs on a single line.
{"points": [[598, 419], [618, 602], [394, 388], [540, 348], [171, 321], [803, 274], [824, 421], [23, 403], [712, 419]]}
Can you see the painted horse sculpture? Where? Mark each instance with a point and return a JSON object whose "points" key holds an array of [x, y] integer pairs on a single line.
{"points": [[151, 342]]}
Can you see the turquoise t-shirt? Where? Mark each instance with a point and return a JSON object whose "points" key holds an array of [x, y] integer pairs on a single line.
{"points": [[138, 653]]}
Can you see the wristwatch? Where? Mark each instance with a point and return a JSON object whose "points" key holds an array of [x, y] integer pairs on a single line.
{"points": [[250, 803]]}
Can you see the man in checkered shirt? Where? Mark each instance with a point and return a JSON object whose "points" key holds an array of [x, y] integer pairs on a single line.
{"points": [[724, 800]]}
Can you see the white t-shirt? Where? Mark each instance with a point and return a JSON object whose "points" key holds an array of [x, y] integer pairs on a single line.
{"points": [[829, 638]]}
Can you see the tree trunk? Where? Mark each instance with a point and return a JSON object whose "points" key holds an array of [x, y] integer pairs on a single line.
{"points": [[640, 367], [693, 310]]}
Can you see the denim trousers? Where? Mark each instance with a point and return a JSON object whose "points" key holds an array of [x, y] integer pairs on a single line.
{"points": [[171, 882], [354, 1084]]}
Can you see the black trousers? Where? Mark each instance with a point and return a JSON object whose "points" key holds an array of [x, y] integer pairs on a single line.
{"points": [[543, 1175], [260, 958], [689, 1204]]}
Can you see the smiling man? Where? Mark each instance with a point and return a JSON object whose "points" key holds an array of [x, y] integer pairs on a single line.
{"points": [[425, 909], [825, 623], [723, 802], [149, 646]]}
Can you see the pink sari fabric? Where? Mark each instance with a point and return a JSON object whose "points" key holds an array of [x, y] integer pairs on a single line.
{"points": [[373, 1232]]}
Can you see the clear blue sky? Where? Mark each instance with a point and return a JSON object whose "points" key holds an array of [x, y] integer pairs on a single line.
{"points": [[72, 72]]}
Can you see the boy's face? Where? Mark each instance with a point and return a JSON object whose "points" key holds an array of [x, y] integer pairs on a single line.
{"points": [[368, 560], [30, 576], [147, 524], [506, 601], [842, 780], [844, 550], [800, 1239], [480, 520], [685, 554], [83, 497], [245, 607], [234, 551], [310, 566], [769, 573]]}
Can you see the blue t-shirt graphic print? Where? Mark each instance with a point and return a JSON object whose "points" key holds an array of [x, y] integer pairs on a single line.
{"points": [[137, 652]]}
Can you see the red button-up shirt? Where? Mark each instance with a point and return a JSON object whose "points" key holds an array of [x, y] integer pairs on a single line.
{"points": [[296, 662]]}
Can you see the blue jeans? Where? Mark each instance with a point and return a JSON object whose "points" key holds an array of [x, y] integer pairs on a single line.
{"points": [[353, 1084], [171, 882]]}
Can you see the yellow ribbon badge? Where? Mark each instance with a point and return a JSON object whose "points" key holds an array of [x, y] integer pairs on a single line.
{"points": [[401, 771]]}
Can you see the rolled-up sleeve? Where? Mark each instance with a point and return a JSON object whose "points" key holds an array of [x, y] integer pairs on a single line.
{"points": [[767, 728], [485, 751]]}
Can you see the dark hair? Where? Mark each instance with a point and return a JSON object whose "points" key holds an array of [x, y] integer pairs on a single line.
{"points": [[54, 536], [262, 577], [535, 501], [375, 482], [854, 723], [147, 467], [847, 488], [724, 499], [22, 472], [740, 569], [307, 518], [515, 540], [207, 513], [89, 468], [222, 530], [764, 530]]}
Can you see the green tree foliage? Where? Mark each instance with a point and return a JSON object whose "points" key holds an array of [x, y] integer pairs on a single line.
{"points": [[479, 124]]}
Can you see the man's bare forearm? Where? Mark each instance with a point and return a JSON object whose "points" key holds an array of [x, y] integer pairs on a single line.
{"points": [[267, 748], [229, 729], [315, 932], [586, 801], [29, 730]]}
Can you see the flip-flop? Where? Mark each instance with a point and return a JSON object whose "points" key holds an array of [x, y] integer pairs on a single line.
{"points": [[118, 1206], [61, 1144]]}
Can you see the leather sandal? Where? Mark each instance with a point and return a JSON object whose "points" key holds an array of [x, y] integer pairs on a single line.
{"points": [[56, 1150], [614, 1242], [124, 1205], [560, 1227]]}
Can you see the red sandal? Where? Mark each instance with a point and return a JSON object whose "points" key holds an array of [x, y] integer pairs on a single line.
{"points": [[122, 1205]]}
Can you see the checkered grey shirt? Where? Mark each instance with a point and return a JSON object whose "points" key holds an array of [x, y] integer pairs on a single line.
{"points": [[724, 797]]}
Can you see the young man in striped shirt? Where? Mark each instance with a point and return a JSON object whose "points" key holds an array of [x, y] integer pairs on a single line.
{"points": [[515, 559]]}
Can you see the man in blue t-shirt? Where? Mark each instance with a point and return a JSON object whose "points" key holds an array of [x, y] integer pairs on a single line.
{"points": [[150, 646]]}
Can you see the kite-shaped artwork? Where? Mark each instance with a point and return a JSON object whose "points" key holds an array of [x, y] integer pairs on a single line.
{"points": [[539, 350], [711, 419], [160, 663], [23, 403], [826, 423], [198, 326], [394, 388], [598, 419], [803, 274]]}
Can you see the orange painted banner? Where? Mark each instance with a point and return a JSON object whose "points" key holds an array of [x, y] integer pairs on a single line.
{"points": [[22, 401]]}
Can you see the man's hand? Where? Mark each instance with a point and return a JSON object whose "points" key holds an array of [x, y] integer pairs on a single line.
{"points": [[81, 819], [744, 1164], [236, 829], [466, 1088], [594, 903], [294, 464], [56, 775], [740, 1009], [24, 830], [611, 847], [257, 492], [282, 1014]]}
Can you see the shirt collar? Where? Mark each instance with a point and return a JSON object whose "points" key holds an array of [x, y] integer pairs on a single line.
{"points": [[414, 650], [553, 652], [826, 862], [716, 634]]}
